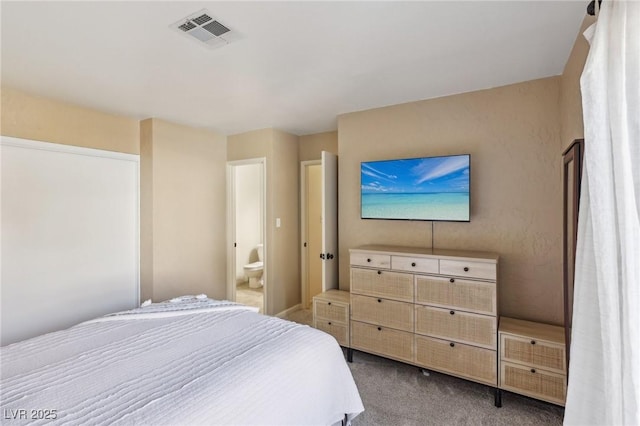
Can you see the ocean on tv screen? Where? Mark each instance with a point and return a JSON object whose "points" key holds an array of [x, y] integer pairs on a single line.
{"points": [[439, 206]]}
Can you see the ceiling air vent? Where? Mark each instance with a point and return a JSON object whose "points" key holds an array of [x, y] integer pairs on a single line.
{"points": [[202, 27]]}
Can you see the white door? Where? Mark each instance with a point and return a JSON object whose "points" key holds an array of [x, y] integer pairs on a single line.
{"points": [[329, 221]]}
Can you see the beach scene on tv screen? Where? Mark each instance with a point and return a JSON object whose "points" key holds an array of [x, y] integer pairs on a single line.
{"points": [[434, 188]]}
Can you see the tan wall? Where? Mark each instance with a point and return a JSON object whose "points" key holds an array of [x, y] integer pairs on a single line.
{"points": [[286, 206], [41, 119], [513, 136], [253, 144], [281, 249], [146, 209], [570, 97], [188, 201], [311, 146]]}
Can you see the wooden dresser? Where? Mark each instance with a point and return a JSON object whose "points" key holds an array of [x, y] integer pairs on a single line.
{"points": [[433, 308], [532, 360]]}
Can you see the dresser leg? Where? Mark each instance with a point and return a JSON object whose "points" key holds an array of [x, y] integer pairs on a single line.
{"points": [[349, 355], [497, 393]]}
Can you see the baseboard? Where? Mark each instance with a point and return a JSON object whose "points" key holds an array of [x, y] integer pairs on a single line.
{"points": [[286, 312]]}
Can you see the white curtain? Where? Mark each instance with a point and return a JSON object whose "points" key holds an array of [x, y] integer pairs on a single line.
{"points": [[604, 374]]}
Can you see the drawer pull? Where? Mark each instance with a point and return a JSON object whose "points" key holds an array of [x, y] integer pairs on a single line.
{"points": [[379, 328], [452, 312], [452, 344], [329, 303], [379, 300], [329, 322], [533, 370], [533, 342], [452, 280], [413, 263], [379, 272], [369, 260], [466, 269]]}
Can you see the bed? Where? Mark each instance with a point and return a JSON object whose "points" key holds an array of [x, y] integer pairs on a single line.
{"points": [[188, 361]]}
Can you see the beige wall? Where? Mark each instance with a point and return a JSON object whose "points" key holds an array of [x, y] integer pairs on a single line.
{"points": [[286, 206], [188, 197], [41, 119], [282, 246], [570, 97], [146, 209], [513, 136], [311, 146]]}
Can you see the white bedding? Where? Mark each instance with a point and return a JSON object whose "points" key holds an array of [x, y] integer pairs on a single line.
{"points": [[190, 362]]}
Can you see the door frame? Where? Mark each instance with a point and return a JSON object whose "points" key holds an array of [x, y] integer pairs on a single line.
{"points": [[303, 228], [231, 227]]}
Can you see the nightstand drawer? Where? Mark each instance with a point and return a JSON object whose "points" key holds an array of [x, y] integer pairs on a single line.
{"points": [[382, 341], [533, 352], [533, 382], [389, 313], [380, 283], [449, 324], [371, 260], [339, 331], [458, 359], [460, 268], [414, 264], [456, 293], [330, 310]]}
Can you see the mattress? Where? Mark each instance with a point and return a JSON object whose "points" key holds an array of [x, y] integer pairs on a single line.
{"points": [[187, 362]]}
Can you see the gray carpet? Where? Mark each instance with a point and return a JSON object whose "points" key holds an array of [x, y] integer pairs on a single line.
{"points": [[398, 394]]}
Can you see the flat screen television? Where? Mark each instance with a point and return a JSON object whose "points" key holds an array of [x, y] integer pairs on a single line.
{"points": [[428, 188]]}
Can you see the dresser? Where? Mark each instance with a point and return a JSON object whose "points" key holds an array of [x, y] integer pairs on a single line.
{"points": [[533, 360], [331, 314], [436, 309]]}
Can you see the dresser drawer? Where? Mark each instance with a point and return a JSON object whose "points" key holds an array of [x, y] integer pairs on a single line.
{"points": [[480, 330], [379, 283], [339, 331], [533, 382], [472, 296], [382, 341], [459, 268], [533, 353], [414, 264], [372, 260], [462, 360], [330, 310], [389, 313]]}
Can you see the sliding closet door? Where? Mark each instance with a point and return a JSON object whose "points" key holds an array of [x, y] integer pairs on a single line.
{"points": [[70, 236]]}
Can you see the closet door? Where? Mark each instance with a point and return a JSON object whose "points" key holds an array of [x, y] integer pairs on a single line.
{"points": [[572, 174], [70, 235]]}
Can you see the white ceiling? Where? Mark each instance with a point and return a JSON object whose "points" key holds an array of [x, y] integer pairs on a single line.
{"points": [[297, 65]]}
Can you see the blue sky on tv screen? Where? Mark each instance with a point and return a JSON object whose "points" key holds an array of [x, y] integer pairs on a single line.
{"points": [[416, 175]]}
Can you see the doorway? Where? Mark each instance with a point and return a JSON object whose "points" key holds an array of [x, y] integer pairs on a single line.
{"points": [[246, 236], [319, 226]]}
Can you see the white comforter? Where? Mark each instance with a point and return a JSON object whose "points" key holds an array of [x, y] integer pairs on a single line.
{"points": [[186, 363]]}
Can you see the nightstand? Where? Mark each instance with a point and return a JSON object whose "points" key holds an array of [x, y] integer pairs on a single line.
{"points": [[331, 314], [532, 360]]}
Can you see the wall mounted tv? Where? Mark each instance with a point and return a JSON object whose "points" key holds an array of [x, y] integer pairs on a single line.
{"points": [[428, 188]]}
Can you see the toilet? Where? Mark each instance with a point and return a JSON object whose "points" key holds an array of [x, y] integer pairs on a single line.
{"points": [[254, 270]]}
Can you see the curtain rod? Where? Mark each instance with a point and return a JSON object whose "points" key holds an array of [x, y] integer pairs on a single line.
{"points": [[591, 9]]}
